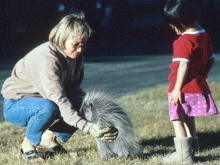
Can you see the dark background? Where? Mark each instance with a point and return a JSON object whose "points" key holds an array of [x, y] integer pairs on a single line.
{"points": [[121, 27]]}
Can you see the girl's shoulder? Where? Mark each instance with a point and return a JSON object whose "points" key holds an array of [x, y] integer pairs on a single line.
{"points": [[192, 37], [183, 40]]}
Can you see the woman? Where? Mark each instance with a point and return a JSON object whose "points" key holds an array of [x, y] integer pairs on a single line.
{"points": [[44, 87]]}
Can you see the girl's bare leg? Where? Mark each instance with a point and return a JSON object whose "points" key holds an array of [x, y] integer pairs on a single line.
{"points": [[179, 128], [189, 124]]}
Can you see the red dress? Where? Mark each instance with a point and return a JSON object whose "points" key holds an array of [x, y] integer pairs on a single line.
{"points": [[195, 48]]}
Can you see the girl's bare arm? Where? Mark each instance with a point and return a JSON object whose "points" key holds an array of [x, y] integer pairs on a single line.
{"points": [[181, 74]]}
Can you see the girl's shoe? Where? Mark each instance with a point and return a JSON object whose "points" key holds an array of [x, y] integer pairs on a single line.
{"points": [[183, 154]]}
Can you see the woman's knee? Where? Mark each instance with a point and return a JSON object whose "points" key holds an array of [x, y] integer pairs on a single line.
{"points": [[49, 109]]}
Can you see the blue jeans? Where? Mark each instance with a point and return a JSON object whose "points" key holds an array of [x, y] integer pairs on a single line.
{"points": [[38, 114]]}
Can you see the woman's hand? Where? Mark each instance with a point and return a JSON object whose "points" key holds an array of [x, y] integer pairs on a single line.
{"points": [[105, 134]]}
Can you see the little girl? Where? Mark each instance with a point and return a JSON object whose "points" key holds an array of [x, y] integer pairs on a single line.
{"points": [[188, 93]]}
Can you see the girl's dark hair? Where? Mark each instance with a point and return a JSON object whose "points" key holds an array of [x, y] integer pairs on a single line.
{"points": [[180, 13]]}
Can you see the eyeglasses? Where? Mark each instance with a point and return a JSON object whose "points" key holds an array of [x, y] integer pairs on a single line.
{"points": [[78, 45]]}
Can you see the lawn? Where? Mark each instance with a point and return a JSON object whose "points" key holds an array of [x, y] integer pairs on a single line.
{"points": [[148, 111]]}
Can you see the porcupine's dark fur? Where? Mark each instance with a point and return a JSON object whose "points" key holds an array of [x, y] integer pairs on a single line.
{"points": [[99, 108]]}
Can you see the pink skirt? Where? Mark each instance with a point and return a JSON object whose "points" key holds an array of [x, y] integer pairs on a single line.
{"points": [[194, 104]]}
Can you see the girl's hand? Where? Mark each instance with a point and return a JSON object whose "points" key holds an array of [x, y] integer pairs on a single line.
{"points": [[175, 97]]}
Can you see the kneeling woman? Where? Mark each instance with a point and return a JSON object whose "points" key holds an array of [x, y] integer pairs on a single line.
{"points": [[44, 87]]}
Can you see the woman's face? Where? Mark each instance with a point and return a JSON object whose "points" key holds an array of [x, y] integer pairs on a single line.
{"points": [[75, 46]]}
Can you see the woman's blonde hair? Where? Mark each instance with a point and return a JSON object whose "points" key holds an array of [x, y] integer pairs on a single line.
{"points": [[70, 26]]}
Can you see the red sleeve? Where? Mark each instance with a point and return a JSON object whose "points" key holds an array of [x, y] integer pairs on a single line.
{"points": [[182, 48]]}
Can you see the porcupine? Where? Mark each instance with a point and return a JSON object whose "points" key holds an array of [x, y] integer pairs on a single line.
{"points": [[98, 107]]}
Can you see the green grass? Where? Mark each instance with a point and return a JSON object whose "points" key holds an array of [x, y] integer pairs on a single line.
{"points": [[149, 113]]}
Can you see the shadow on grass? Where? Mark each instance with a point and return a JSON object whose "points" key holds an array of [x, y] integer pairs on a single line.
{"points": [[207, 141], [72, 152]]}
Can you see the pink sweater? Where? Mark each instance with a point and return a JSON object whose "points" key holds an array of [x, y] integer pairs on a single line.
{"points": [[47, 72]]}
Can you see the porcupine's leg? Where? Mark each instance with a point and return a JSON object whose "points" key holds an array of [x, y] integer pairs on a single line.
{"points": [[104, 150], [125, 144], [120, 147]]}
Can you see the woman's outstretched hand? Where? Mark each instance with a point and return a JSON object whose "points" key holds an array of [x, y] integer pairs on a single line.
{"points": [[105, 134]]}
